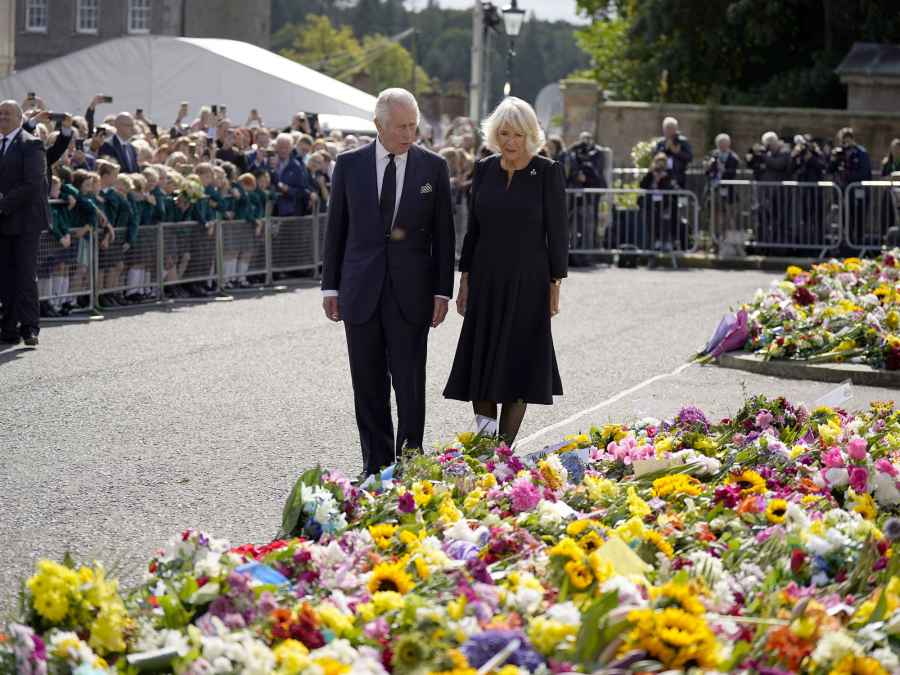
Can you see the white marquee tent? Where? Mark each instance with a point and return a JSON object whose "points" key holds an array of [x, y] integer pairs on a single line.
{"points": [[157, 72]]}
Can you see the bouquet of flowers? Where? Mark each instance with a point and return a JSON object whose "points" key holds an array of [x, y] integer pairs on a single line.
{"points": [[766, 542]]}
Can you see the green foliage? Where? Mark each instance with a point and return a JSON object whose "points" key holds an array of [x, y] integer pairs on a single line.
{"points": [[738, 52]]}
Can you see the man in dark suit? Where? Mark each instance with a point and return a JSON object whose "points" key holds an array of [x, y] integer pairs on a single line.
{"points": [[24, 212], [119, 147], [388, 272]]}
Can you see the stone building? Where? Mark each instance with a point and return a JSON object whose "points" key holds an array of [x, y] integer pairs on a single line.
{"points": [[872, 75], [7, 36], [47, 29]]}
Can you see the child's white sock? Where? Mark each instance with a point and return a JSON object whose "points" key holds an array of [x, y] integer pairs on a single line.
{"points": [[243, 266], [135, 279]]}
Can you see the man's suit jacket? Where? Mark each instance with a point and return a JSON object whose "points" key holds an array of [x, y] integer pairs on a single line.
{"points": [[417, 259], [296, 177], [55, 152], [23, 184], [123, 153]]}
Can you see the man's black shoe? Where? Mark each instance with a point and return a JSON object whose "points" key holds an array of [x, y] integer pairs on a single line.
{"points": [[30, 340]]}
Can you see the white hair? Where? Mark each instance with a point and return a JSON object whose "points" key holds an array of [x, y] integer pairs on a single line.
{"points": [[284, 136], [517, 114], [392, 97], [723, 137], [670, 122], [769, 137]]}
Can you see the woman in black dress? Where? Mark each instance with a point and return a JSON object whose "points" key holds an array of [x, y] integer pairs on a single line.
{"points": [[513, 260]]}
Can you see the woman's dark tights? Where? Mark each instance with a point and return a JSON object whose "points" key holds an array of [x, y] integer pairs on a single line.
{"points": [[511, 415]]}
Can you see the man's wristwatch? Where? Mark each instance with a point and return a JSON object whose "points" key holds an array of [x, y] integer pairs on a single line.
{"points": [[556, 282]]}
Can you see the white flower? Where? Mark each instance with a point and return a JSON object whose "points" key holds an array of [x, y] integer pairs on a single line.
{"points": [[553, 513], [795, 515], [629, 593], [367, 662], [888, 660], [834, 646], [460, 530], [565, 612], [819, 546], [886, 492]]}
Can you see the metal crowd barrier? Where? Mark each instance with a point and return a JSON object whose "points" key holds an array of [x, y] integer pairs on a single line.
{"points": [[608, 219], [173, 254], [780, 216], [871, 208]]}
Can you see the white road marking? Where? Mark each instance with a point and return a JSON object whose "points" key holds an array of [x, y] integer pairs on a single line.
{"points": [[622, 394]]}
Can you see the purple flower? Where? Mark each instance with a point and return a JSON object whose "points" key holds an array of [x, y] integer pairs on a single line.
{"points": [[525, 495], [690, 416], [764, 419], [891, 529], [479, 571], [859, 479], [481, 648], [406, 503]]}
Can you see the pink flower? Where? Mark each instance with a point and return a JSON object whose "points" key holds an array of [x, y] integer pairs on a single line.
{"points": [[763, 419], [884, 466], [406, 503], [857, 448], [525, 495], [859, 479], [832, 457]]}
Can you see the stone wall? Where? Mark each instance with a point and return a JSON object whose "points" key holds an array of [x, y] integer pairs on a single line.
{"points": [[621, 124], [7, 37]]}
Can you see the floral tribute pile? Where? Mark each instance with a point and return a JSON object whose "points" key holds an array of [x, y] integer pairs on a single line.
{"points": [[838, 311], [764, 543]]}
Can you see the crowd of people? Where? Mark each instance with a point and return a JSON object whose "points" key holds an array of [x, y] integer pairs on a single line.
{"points": [[113, 173]]}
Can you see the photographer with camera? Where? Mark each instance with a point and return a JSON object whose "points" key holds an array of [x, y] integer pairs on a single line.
{"points": [[850, 163], [586, 163], [658, 212], [808, 167], [771, 163], [677, 150]]}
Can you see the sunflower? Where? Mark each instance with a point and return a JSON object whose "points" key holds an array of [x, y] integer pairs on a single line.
{"points": [[678, 628], [566, 548], [659, 542], [675, 485], [382, 534], [864, 505], [590, 542], [776, 510], [858, 665], [580, 575], [683, 594], [390, 577], [749, 482], [423, 491]]}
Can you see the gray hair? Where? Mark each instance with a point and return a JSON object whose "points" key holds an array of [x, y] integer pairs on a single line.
{"points": [[393, 97], [769, 137], [520, 116], [670, 122], [17, 109], [285, 137], [723, 137]]}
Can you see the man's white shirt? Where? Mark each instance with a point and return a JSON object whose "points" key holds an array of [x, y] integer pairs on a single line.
{"points": [[381, 162], [10, 137]]}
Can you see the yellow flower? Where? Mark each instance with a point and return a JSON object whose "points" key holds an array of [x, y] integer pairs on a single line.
{"points": [[631, 529], [637, 506], [797, 450], [566, 548], [366, 611], [67, 648], [674, 637], [447, 510], [776, 511], [792, 272], [390, 577], [550, 475], [580, 575], [487, 481], [291, 657], [600, 489], [423, 491], [547, 634], [892, 320], [852, 664], [108, 629], [51, 588], [682, 594], [576, 527], [601, 567], [466, 437], [663, 446], [422, 568], [335, 619], [382, 534], [659, 542], [331, 666], [704, 444], [750, 482], [473, 500], [590, 542], [864, 505], [675, 485], [457, 608], [387, 601]]}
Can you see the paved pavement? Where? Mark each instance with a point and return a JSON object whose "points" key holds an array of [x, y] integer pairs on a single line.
{"points": [[116, 435]]}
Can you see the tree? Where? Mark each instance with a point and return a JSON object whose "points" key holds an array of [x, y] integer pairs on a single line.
{"points": [[388, 64], [319, 45], [529, 66]]}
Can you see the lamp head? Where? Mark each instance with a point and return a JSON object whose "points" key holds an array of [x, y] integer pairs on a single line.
{"points": [[513, 17]]}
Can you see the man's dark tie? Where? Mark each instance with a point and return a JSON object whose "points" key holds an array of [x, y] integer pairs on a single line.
{"points": [[3, 146], [388, 195]]}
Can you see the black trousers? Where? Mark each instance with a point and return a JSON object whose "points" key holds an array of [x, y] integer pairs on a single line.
{"points": [[18, 283], [387, 350]]}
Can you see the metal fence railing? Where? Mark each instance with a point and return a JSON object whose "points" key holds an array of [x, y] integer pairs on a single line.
{"points": [[602, 220], [166, 259], [871, 208], [772, 216]]}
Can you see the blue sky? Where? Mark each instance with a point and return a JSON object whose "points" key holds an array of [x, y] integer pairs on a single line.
{"points": [[551, 10]]}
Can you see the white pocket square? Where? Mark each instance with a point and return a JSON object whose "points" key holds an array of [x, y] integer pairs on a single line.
{"points": [[425, 189]]}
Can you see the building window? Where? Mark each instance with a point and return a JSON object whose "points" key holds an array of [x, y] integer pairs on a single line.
{"points": [[36, 16], [87, 16], [138, 16]]}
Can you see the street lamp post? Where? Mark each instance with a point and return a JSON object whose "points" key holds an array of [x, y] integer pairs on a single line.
{"points": [[513, 17]]}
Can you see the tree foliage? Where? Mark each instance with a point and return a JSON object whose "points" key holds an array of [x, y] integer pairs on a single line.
{"points": [[546, 50], [779, 52]]}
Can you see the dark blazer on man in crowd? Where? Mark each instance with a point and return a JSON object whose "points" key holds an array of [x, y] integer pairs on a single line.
{"points": [[679, 160], [418, 259], [24, 213], [295, 202], [124, 154], [55, 152]]}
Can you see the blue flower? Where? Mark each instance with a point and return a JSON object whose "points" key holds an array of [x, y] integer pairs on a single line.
{"points": [[481, 648]]}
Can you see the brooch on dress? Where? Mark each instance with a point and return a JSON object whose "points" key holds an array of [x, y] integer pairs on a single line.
{"points": [[534, 172]]}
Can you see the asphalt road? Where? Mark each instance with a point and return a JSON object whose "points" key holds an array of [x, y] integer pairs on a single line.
{"points": [[116, 435]]}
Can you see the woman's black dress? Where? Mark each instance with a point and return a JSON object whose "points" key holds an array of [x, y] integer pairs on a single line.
{"points": [[517, 241]]}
